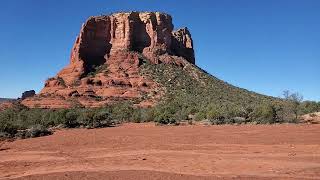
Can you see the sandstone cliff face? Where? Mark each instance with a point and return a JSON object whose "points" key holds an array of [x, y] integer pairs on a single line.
{"points": [[105, 60]]}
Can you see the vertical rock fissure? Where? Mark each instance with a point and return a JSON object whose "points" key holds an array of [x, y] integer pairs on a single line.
{"points": [[95, 43], [140, 37]]}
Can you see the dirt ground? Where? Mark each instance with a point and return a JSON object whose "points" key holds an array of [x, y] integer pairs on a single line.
{"points": [[145, 151]]}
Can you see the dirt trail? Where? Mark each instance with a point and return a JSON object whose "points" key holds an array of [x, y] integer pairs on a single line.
{"points": [[144, 151]]}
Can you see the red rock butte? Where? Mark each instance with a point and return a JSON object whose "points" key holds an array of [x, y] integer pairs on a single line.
{"points": [[105, 60]]}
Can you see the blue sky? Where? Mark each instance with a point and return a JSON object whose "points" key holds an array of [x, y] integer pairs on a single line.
{"points": [[265, 46]]}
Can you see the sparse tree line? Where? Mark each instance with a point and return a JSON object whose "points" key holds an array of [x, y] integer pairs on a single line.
{"points": [[286, 111], [21, 122]]}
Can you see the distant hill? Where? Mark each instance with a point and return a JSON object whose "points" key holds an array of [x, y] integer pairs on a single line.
{"points": [[5, 99], [193, 86]]}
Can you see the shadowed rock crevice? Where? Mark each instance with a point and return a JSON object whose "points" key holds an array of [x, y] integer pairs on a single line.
{"points": [[95, 43], [140, 37]]}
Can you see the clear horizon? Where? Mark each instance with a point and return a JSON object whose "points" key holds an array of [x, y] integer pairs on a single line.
{"points": [[264, 46]]}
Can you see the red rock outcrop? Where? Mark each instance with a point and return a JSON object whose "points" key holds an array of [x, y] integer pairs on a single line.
{"points": [[5, 105], [27, 94], [105, 60]]}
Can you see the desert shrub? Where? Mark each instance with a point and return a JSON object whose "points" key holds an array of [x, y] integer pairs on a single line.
{"points": [[8, 127], [286, 113], [307, 107], [165, 117], [265, 113], [136, 116], [246, 111], [85, 118], [121, 111], [37, 131], [293, 102], [23, 122], [28, 117], [166, 113], [182, 114], [102, 119], [19, 122], [227, 114], [215, 114], [200, 116], [47, 120], [233, 111], [55, 117], [94, 70], [71, 118], [146, 114]]}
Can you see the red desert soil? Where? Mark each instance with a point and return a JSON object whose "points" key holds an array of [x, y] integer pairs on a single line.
{"points": [[145, 151]]}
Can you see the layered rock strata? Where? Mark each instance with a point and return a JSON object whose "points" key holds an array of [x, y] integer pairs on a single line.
{"points": [[105, 60]]}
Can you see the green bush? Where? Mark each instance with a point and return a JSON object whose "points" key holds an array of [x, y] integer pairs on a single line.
{"points": [[24, 122], [94, 70], [122, 111], [35, 131], [263, 114], [200, 116], [86, 118], [165, 117], [102, 119], [166, 114], [308, 107], [71, 119], [8, 127], [147, 115], [286, 113], [216, 114]]}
